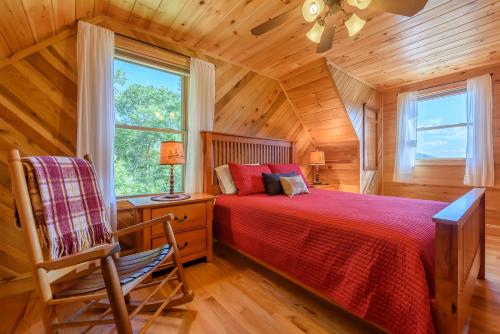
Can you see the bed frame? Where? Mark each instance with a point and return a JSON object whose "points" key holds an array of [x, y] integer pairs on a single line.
{"points": [[460, 227]]}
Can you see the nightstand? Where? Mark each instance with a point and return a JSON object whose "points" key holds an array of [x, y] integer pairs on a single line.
{"points": [[325, 186], [192, 224]]}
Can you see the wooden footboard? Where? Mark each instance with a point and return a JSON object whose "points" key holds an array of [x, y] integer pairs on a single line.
{"points": [[460, 259]]}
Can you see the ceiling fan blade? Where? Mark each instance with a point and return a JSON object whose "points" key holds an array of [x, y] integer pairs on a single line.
{"points": [[326, 41], [400, 7], [274, 22]]}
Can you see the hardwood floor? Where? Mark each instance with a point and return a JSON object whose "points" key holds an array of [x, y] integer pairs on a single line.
{"points": [[236, 295]]}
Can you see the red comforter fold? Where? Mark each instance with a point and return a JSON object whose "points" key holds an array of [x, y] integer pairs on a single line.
{"points": [[372, 255]]}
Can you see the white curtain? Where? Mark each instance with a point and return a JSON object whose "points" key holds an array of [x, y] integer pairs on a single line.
{"points": [[479, 165], [96, 110], [406, 137], [201, 106]]}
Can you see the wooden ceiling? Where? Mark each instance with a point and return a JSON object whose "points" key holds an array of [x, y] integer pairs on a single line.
{"points": [[314, 95], [447, 36]]}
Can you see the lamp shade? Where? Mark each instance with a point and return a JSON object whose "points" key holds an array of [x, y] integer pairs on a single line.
{"points": [[172, 153], [354, 24], [311, 9], [361, 4], [317, 158], [316, 31]]}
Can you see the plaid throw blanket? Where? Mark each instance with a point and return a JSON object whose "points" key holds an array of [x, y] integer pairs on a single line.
{"points": [[67, 204]]}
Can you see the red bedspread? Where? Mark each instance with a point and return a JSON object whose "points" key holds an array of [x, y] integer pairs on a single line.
{"points": [[372, 255]]}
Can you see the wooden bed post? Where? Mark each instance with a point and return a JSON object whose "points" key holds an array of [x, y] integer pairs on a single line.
{"points": [[208, 168], [293, 158], [460, 259]]}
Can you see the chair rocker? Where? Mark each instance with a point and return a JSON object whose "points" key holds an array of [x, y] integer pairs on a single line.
{"points": [[99, 277]]}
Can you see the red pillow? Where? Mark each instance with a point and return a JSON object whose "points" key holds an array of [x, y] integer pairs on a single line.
{"points": [[288, 168], [248, 178]]}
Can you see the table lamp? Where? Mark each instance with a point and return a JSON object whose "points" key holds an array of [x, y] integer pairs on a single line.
{"points": [[171, 153], [316, 159]]}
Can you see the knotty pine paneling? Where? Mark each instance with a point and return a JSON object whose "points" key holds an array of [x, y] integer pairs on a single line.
{"points": [[330, 107], [342, 166], [253, 105], [355, 94], [38, 116], [442, 183], [315, 97]]}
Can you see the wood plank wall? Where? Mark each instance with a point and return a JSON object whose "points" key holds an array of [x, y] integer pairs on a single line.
{"points": [[342, 166], [318, 103], [443, 183], [38, 116], [355, 94], [312, 92], [253, 105]]}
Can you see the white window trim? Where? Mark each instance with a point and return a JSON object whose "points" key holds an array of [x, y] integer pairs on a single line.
{"points": [[167, 67], [440, 162]]}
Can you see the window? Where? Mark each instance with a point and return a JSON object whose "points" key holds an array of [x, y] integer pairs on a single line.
{"points": [[150, 108], [442, 125]]}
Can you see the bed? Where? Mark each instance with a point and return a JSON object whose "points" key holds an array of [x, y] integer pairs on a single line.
{"points": [[405, 265]]}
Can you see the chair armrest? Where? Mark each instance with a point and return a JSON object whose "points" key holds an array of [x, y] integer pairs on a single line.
{"points": [[138, 227], [93, 253]]}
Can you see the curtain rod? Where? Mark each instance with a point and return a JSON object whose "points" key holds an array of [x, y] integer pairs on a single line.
{"points": [[151, 44], [159, 47], [447, 83], [148, 43]]}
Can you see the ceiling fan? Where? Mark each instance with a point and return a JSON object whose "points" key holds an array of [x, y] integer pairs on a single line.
{"points": [[324, 14]]}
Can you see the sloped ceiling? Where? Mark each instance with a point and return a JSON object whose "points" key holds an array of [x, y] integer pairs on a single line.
{"points": [[253, 105], [313, 94], [447, 36], [355, 94]]}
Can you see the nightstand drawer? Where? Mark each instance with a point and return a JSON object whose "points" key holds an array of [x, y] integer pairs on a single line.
{"points": [[192, 226], [186, 217], [189, 242]]}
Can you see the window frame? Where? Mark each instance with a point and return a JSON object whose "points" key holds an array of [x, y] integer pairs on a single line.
{"points": [[455, 88], [177, 69]]}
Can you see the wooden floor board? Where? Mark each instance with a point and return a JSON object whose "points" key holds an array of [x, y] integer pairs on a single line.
{"points": [[236, 295]]}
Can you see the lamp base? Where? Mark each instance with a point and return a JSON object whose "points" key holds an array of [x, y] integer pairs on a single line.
{"points": [[316, 175], [170, 197]]}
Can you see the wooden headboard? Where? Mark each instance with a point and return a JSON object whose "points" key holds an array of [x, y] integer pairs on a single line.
{"points": [[221, 148]]}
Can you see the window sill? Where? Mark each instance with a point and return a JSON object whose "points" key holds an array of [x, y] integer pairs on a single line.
{"points": [[440, 162], [122, 202]]}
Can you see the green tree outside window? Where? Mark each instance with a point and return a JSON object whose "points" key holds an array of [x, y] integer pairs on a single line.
{"points": [[148, 104]]}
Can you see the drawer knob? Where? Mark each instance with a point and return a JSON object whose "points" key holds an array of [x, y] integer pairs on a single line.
{"points": [[184, 245], [181, 220]]}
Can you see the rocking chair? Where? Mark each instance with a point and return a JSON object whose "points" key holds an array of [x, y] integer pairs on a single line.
{"points": [[78, 278]]}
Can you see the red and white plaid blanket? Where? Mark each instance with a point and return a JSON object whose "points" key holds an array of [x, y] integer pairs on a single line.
{"points": [[67, 204]]}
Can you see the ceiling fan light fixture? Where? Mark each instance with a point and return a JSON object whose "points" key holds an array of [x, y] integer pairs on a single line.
{"points": [[316, 31], [354, 24], [311, 9], [360, 4]]}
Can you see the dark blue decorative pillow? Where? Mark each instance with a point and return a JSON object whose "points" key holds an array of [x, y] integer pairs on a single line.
{"points": [[273, 184]]}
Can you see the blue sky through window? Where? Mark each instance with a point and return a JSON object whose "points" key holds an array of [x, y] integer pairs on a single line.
{"points": [[442, 143], [147, 76]]}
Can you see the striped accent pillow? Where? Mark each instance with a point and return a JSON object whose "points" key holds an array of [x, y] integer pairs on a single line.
{"points": [[293, 185]]}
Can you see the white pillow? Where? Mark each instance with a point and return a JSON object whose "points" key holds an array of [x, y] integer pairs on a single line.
{"points": [[226, 182]]}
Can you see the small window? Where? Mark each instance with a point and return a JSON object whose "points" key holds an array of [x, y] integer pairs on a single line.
{"points": [[149, 109], [442, 125]]}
